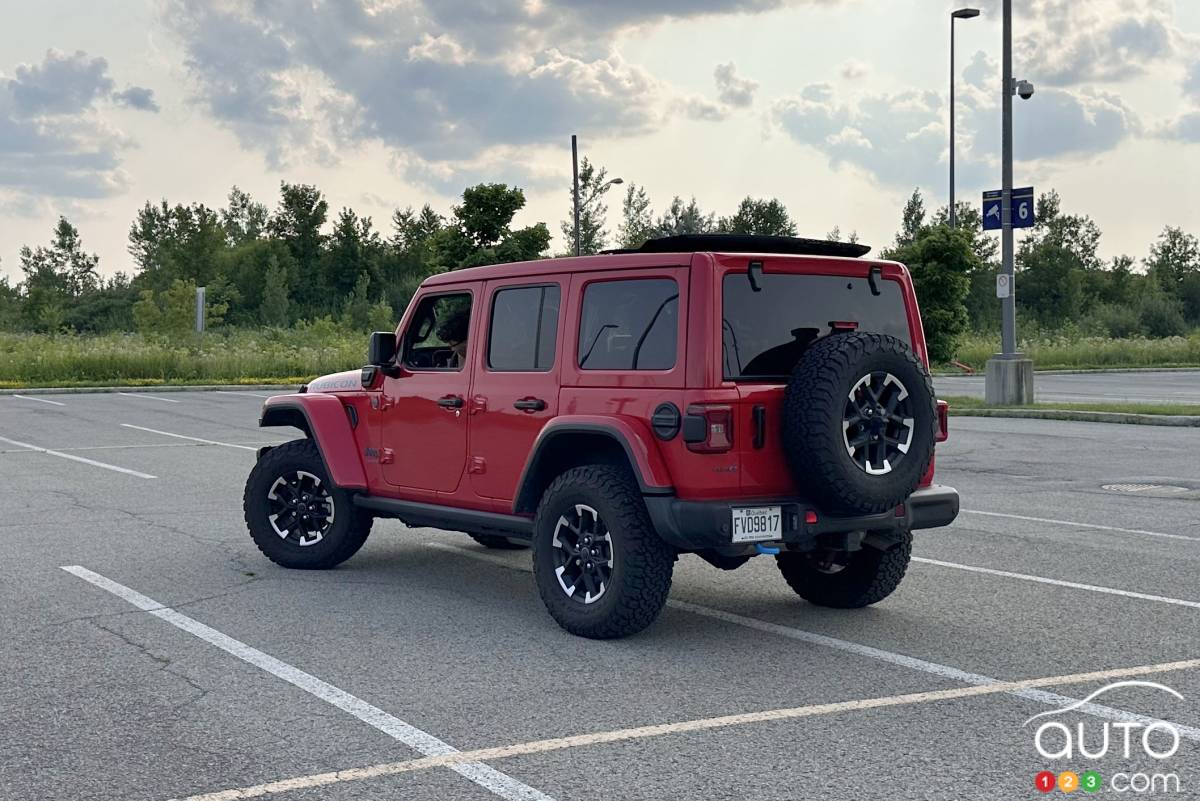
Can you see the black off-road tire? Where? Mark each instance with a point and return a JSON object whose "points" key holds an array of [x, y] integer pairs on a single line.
{"points": [[871, 576], [498, 542], [642, 563], [815, 406], [345, 535]]}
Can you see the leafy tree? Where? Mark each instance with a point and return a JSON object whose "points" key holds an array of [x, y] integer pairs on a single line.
{"points": [[593, 212], [353, 249], [912, 219], [413, 229], [180, 242], [56, 277], [273, 310], [940, 260], [836, 236], [10, 305], [108, 308], [763, 217], [243, 219], [1173, 257], [297, 222], [487, 212], [684, 218], [637, 220], [171, 313]]}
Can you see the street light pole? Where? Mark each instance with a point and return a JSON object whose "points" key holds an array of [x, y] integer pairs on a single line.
{"points": [[1009, 374], [575, 192], [962, 13], [1008, 322]]}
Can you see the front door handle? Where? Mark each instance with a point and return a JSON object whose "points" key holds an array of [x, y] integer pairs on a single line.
{"points": [[530, 405], [451, 402]]}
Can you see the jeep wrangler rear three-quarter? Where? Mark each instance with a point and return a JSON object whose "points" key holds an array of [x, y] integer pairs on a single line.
{"points": [[724, 396]]}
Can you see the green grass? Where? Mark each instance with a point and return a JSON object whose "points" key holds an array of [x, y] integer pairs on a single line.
{"points": [[1171, 409], [1071, 352], [242, 357]]}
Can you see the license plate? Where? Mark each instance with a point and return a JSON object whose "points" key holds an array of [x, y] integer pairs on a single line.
{"points": [[758, 524]]}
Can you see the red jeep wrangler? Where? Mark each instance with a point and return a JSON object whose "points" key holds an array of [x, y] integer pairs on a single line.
{"points": [[717, 395]]}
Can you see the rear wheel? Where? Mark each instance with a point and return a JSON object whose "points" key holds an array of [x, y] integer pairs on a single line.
{"points": [[499, 543], [847, 580], [601, 569], [295, 514]]}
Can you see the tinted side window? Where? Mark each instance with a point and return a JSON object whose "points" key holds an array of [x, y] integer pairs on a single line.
{"points": [[524, 329], [629, 325]]}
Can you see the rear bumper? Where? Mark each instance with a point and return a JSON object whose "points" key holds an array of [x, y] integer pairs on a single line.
{"points": [[700, 525]]}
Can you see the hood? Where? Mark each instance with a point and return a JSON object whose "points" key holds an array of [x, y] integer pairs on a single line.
{"points": [[348, 381]]}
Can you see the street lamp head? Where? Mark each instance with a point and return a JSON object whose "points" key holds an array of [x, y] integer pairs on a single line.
{"points": [[965, 13], [617, 181]]}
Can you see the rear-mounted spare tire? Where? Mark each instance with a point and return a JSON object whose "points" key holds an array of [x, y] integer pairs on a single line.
{"points": [[859, 423]]}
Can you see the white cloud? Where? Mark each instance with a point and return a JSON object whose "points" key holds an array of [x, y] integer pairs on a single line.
{"points": [[854, 70], [732, 89], [54, 139]]}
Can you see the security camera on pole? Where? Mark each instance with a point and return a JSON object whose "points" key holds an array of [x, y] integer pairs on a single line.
{"points": [[1009, 374]]}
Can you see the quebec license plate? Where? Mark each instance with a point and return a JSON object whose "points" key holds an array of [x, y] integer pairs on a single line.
{"points": [[758, 524]]}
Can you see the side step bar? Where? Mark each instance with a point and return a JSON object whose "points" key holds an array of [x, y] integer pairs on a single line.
{"points": [[433, 516]]}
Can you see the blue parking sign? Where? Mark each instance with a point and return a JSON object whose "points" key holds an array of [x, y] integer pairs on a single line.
{"points": [[1022, 209]]}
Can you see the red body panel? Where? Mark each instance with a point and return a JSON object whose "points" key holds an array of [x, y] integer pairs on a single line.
{"points": [[474, 457], [329, 425]]}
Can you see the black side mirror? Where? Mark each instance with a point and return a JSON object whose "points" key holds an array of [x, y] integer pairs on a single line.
{"points": [[382, 349]]}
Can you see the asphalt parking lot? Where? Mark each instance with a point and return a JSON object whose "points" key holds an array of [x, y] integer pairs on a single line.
{"points": [[171, 661]]}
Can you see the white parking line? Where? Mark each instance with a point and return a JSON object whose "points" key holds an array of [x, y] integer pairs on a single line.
{"points": [[486, 777], [659, 730], [900, 660], [1081, 525], [233, 392], [39, 400], [80, 459], [193, 439], [1073, 585], [147, 397]]}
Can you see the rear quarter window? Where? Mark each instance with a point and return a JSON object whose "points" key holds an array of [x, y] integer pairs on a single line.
{"points": [[765, 333], [629, 325]]}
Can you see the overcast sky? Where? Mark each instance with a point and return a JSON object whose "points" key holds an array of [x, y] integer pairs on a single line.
{"points": [[838, 107]]}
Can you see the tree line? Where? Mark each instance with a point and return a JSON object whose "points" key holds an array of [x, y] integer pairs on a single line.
{"points": [[297, 262]]}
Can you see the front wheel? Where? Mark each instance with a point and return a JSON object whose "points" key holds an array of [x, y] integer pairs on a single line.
{"points": [[295, 514], [847, 581], [601, 569]]}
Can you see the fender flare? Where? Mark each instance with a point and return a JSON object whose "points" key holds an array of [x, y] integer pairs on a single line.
{"points": [[324, 420], [632, 435]]}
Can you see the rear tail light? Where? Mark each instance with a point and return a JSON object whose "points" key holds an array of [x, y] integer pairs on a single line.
{"points": [[943, 421], [708, 429]]}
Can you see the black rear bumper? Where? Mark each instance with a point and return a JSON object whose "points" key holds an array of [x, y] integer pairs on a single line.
{"points": [[700, 525]]}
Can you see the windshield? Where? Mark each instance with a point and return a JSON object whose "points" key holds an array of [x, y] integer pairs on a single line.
{"points": [[766, 332]]}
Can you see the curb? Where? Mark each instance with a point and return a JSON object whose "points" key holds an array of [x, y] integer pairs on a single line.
{"points": [[1177, 421], [1072, 371], [156, 389]]}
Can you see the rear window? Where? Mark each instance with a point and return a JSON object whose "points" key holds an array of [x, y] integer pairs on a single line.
{"points": [[766, 332], [629, 325]]}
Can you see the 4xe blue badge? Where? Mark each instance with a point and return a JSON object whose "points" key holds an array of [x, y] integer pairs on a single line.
{"points": [[1022, 209]]}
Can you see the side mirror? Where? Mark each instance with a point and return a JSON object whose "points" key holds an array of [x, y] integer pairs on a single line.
{"points": [[382, 349]]}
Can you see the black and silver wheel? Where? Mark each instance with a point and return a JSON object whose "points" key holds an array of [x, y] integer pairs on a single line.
{"points": [[296, 517], [847, 580], [601, 569], [583, 554], [877, 426]]}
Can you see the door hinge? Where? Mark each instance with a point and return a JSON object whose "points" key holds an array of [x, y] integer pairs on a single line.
{"points": [[476, 465], [478, 404], [386, 403], [386, 456]]}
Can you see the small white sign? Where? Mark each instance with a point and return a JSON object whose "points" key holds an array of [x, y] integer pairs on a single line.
{"points": [[1003, 286]]}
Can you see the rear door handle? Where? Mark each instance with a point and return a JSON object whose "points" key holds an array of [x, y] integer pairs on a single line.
{"points": [[450, 402], [530, 405]]}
